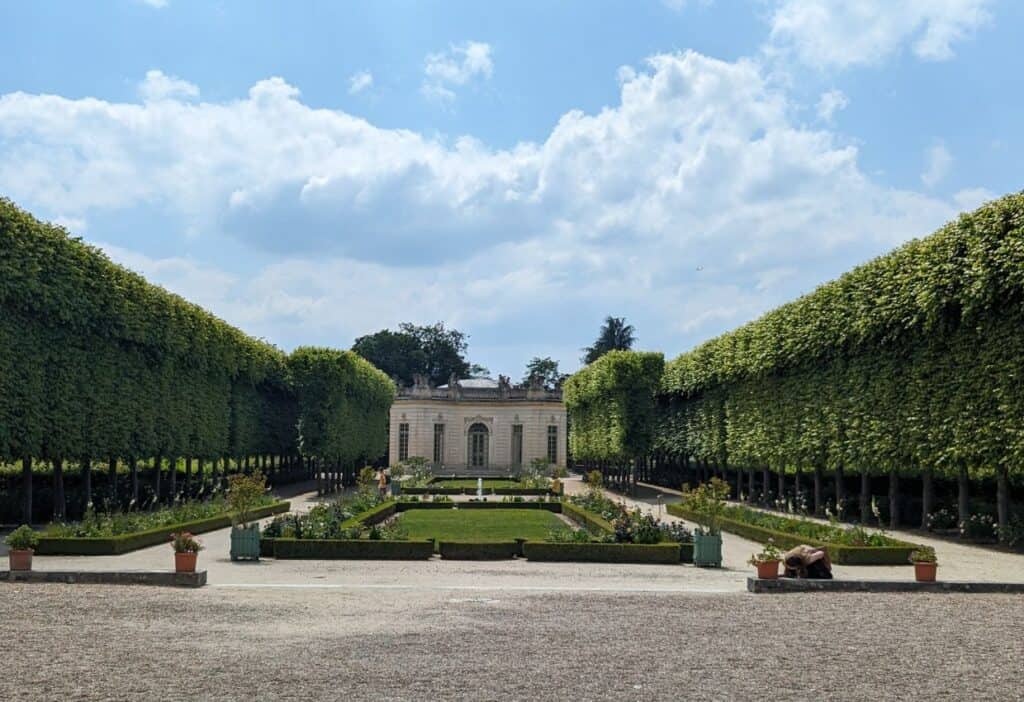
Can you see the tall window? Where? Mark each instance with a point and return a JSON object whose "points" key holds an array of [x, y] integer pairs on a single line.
{"points": [[403, 441], [438, 444], [517, 444], [553, 444]]}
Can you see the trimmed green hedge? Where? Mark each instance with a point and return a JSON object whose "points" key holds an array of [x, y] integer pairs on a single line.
{"points": [[550, 506], [666, 553], [478, 550], [356, 549], [374, 515], [488, 492], [595, 524], [839, 553], [116, 545]]}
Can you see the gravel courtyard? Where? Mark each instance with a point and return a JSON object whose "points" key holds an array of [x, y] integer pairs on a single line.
{"points": [[229, 643]]}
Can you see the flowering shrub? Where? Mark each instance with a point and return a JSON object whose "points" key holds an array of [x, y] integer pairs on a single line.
{"points": [[978, 526], [184, 542], [941, 519], [923, 554], [23, 538], [830, 533]]}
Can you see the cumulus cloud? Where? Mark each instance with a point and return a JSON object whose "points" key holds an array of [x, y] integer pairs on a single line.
{"points": [[692, 204], [842, 33], [831, 102], [456, 67], [359, 81], [157, 85], [938, 161]]}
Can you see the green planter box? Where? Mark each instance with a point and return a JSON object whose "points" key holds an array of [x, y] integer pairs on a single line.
{"points": [[707, 550], [245, 543]]}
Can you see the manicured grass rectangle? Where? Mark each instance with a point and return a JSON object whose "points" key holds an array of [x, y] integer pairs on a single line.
{"points": [[462, 525]]}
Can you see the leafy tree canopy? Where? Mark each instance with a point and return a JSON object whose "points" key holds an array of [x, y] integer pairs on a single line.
{"points": [[546, 369], [433, 350], [615, 335]]}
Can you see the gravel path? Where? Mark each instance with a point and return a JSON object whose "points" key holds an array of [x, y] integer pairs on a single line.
{"points": [[133, 643]]}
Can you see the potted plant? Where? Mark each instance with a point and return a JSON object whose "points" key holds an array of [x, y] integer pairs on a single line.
{"points": [[22, 542], [925, 564], [244, 494], [767, 562], [708, 502], [186, 551]]}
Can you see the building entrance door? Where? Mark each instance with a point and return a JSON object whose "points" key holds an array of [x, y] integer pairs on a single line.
{"points": [[478, 439]]}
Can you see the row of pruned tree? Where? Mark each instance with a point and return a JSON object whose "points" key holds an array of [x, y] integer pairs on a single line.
{"points": [[98, 365]]}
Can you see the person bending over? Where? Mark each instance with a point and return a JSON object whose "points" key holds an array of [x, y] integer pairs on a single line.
{"points": [[807, 562]]}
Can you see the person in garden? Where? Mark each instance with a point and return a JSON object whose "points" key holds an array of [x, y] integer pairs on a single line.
{"points": [[382, 482], [807, 562]]}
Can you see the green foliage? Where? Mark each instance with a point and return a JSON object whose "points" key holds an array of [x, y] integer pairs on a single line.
{"points": [[431, 350], [544, 371], [769, 553], [615, 335], [707, 501], [343, 403], [611, 406], [96, 361], [912, 360], [663, 553], [23, 538], [245, 493], [184, 542], [924, 554]]}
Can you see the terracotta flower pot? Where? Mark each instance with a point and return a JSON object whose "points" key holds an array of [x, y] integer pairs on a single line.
{"points": [[185, 562], [769, 570], [925, 572], [21, 559]]}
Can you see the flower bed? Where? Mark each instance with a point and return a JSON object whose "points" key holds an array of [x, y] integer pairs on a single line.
{"points": [[787, 532], [123, 543]]}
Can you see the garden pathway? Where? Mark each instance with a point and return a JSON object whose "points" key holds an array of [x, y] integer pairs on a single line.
{"points": [[957, 561]]}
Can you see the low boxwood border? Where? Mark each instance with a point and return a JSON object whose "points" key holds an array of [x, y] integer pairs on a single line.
{"points": [[664, 553], [116, 545], [549, 506], [593, 523], [472, 491], [478, 550], [353, 549], [374, 515], [840, 554]]}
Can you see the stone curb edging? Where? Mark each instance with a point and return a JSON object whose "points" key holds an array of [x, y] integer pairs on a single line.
{"points": [[782, 585], [163, 578]]}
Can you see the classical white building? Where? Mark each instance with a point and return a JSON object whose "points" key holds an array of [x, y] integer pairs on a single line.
{"points": [[478, 426]]}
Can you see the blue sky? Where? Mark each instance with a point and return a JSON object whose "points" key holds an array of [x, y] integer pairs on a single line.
{"points": [[316, 171]]}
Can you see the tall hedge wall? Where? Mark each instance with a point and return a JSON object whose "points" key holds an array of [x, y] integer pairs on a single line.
{"points": [[611, 406], [95, 361], [343, 403], [912, 363]]}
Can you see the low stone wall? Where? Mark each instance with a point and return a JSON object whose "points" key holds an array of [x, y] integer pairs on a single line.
{"points": [[778, 585], [163, 578]]}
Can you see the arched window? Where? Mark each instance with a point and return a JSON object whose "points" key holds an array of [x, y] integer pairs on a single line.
{"points": [[476, 454]]}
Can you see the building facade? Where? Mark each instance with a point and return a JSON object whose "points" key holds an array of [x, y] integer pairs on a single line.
{"points": [[478, 426]]}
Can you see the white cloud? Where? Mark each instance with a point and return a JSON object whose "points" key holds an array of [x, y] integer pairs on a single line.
{"points": [[157, 85], [699, 164], [843, 33], [938, 161], [831, 102], [972, 198], [456, 67], [359, 81], [158, 4]]}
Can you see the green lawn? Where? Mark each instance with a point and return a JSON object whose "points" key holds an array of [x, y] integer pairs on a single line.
{"points": [[480, 524], [489, 483]]}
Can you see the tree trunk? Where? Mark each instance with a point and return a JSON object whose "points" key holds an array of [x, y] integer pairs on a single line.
{"points": [[200, 473], [894, 499], [26, 490], [865, 497], [750, 485], [59, 503], [819, 508], [188, 477], [112, 467], [172, 465], [963, 506], [927, 496], [840, 490], [87, 481], [797, 489], [133, 471], [1003, 501], [158, 469], [782, 483]]}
